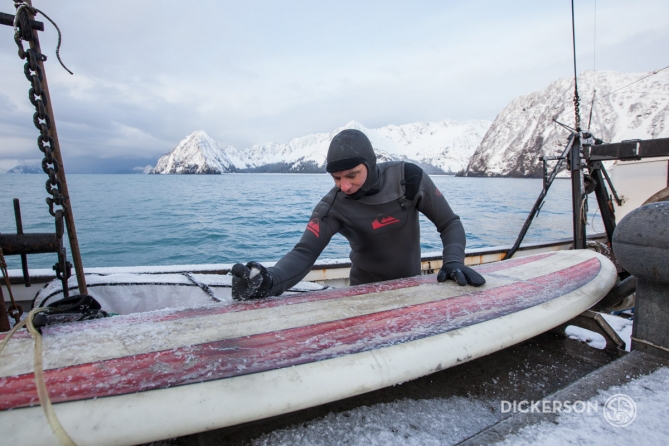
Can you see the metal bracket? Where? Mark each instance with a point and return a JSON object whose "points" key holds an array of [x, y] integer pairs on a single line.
{"points": [[594, 321], [8, 19]]}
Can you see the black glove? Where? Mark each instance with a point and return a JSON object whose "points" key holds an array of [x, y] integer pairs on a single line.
{"points": [[462, 274], [252, 281]]}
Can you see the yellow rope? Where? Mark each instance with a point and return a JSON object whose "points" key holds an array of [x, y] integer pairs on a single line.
{"points": [[42, 393], [10, 333], [40, 383]]}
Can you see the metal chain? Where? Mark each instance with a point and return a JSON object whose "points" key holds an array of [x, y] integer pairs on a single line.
{"points": [[37, 96], [577, 110], [42, 121], [63, 268]]}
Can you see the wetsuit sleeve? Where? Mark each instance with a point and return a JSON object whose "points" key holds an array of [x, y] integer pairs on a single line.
{"points": [[433, 205], [297, 263]]}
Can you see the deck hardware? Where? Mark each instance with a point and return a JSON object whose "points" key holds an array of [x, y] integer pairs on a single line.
{"points": [[202, 286], [14, 310], [641, 246], [593, 321], [19, 231], [8, 19], [538, 203]]}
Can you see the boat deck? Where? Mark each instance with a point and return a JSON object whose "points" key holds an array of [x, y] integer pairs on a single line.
{"points": [[545, 366]]}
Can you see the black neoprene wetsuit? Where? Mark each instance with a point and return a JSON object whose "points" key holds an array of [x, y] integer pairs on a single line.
{"points": [[382, 229]]}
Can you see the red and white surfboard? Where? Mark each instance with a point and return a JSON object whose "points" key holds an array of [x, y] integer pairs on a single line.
{"points": [[149, 376]]}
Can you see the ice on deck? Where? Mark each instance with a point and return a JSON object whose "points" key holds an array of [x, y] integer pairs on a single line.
{"points": [[448, 421]]}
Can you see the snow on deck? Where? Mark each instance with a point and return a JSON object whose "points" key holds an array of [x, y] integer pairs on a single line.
{"points": [[439, 421], [446, 421], [650, 395]]}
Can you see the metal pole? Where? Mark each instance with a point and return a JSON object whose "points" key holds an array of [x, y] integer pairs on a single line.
{"points": [[4, 316], [69, 216], [19, 231], [537, 204], [603, 199], [577, 193]]}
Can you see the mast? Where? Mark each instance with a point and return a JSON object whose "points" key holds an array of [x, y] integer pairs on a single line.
{"points": [[578, 196]]}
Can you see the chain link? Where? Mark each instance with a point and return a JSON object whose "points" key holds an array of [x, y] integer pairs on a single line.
{"points": [[43, 123], [577, 110], [37, 96]]}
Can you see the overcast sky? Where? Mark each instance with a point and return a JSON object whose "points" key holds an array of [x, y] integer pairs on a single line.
{"points": [[148, 73]]}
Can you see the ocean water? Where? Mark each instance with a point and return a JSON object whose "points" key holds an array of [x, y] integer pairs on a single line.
{"points": [[133, 220]]}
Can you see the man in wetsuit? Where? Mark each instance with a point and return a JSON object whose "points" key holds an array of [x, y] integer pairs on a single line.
{"points": [[376, 208]]}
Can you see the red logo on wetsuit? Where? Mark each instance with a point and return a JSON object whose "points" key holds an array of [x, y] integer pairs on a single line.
{"points": [[437, 191], [383, 220], [314, 226]]}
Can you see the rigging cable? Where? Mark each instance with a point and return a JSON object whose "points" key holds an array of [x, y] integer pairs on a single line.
{"points": [[577, 113], [594, 66], [617, 90], [638, 80]]}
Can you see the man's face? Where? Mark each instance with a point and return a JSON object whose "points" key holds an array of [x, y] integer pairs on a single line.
{"points": [[349, 181]]}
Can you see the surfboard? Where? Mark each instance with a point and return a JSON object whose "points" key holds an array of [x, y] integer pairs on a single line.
{"points": [[148, 376]]}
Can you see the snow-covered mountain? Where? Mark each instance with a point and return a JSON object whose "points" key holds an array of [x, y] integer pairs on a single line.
{"points": [[626, 107], [24, 168], [145, 169], [197, 153], [440, 147]]}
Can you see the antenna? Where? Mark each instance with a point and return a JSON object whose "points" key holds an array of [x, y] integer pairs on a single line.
{"points": [[577, 113], [594, 66]]}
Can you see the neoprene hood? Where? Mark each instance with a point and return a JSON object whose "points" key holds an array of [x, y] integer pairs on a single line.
{"points": [[350, 148]]}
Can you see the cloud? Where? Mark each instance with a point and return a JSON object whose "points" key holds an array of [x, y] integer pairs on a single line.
{"points": [[149, 73]]}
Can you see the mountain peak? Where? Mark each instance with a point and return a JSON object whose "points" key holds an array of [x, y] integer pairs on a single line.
{"points": [[353, 125], [440, 147], [199, 134], [196, 154], [525, 130], [511, 146]]}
